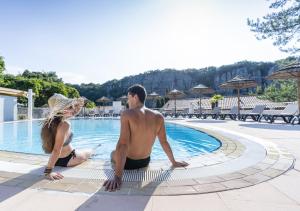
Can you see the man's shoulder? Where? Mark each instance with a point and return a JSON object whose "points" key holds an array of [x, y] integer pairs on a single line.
{"points": [[131, 112], [126, 113], [157, 114]]}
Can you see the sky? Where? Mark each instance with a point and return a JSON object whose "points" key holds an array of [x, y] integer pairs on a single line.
{"points": [[95, 41]]}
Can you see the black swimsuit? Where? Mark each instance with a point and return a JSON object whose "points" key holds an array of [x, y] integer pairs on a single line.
{"points": [[64, 161], [131, 164]]}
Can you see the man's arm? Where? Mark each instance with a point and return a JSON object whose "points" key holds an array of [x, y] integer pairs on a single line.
{"points": [[165, 144], [121, 148], [120, 155]]}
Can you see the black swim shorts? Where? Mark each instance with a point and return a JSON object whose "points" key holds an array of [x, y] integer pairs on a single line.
{"points": [[136, 164]]}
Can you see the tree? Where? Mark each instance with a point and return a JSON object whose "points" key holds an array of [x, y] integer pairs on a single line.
{"points": [[47, 76], [282, 25], [281, 91], [214, 100], [43, 84], [2, 65], [90, 104], [2, 68]]}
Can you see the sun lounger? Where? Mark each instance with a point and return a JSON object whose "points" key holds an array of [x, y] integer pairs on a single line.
{"points": [[183, 113], [214, 113], [167, 113], [232, 114], [287, 114], [267, 113], [254, 114], [296, 119], [195, 113]]}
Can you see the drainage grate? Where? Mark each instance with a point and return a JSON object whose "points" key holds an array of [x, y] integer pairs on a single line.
{"points": [[133, 175]]}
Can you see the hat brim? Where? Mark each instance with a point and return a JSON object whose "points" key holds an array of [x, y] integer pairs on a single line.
{"points": [[77, 103], [61, 106]]}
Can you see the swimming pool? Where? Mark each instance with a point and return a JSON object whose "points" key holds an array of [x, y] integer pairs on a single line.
{"points": [[25, 137]]}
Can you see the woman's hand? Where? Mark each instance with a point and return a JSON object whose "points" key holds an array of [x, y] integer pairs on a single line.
{"points": [[54, 176]]}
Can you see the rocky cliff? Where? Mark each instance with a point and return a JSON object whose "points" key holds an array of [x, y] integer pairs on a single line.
{"points": [[162, 81]]}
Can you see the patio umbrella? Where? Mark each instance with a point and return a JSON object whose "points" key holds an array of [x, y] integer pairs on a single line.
{"points": [[174, 94], [153, 96], [123, 100], [103, 100], [239, 82], [201, 89], [288, 72]]}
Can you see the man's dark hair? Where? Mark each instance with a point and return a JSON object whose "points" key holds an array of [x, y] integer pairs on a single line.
{"points": [[138, 90]]}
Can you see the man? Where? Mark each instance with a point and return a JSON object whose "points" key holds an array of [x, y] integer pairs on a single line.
{"points": [[139, 128]]}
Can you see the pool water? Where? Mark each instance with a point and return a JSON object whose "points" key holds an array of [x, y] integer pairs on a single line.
{"points": [[88, 133]]}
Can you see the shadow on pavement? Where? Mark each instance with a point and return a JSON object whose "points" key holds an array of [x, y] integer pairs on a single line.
{"points": [[135, 196]]}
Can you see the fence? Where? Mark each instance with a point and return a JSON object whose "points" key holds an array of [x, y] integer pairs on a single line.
{"points": [[37, 113]]}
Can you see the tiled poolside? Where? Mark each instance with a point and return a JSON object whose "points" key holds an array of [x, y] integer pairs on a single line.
{"points": [[254, 169]]}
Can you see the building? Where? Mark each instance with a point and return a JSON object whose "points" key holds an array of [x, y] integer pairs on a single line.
{"points": [[8, 103]]}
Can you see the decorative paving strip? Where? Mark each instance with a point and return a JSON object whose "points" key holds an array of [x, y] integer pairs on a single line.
{"points": [[206, 173]]}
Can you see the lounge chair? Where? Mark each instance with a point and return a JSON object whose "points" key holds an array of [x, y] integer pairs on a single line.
{"points": [[98, 113], [267, 113], [195, 113], [295, 119], [214, 113], [254, 114], [184, 113], [167, 113], [232, 114], [287, 114], [108, 113], [91, 113]]}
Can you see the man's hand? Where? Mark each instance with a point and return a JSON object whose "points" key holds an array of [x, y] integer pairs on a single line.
{"points": [[54, 176], [113, 185], [179, 164]]}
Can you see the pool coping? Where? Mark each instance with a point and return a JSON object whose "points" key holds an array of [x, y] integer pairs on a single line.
{"points": [[276, 162]]}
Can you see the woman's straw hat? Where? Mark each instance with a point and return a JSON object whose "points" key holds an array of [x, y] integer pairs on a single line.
{"points": [[58, 103]]}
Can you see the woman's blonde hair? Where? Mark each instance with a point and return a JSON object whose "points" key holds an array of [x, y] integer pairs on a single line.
{"points": [[48, 133], [57, 104]]}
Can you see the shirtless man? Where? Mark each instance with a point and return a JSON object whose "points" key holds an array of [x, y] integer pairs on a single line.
{"points": [[139, 128]]}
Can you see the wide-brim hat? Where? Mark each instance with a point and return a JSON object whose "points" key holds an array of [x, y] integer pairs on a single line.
{"points": [[58, 103]]}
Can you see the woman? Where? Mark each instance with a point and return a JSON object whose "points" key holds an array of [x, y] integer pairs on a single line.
{"points": [[56, 135]]}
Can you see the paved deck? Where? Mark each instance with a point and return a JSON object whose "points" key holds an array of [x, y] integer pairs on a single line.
{"points": [[267, 191]]}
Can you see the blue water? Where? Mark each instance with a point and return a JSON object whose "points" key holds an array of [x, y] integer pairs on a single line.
{"points": [[25, 137]]}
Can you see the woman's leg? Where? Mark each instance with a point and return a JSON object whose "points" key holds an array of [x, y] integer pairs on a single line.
{"points": [[81, 156]]}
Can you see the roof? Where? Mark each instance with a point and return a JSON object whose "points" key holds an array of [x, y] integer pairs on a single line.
{"points": [[239, 82], [287, 72], [248, 102], [12, 92]]}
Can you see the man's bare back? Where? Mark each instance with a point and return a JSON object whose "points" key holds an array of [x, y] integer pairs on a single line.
{"points": [[144, 126]]}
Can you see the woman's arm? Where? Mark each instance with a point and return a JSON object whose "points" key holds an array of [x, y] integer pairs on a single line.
{"points": [[62, 132]]}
